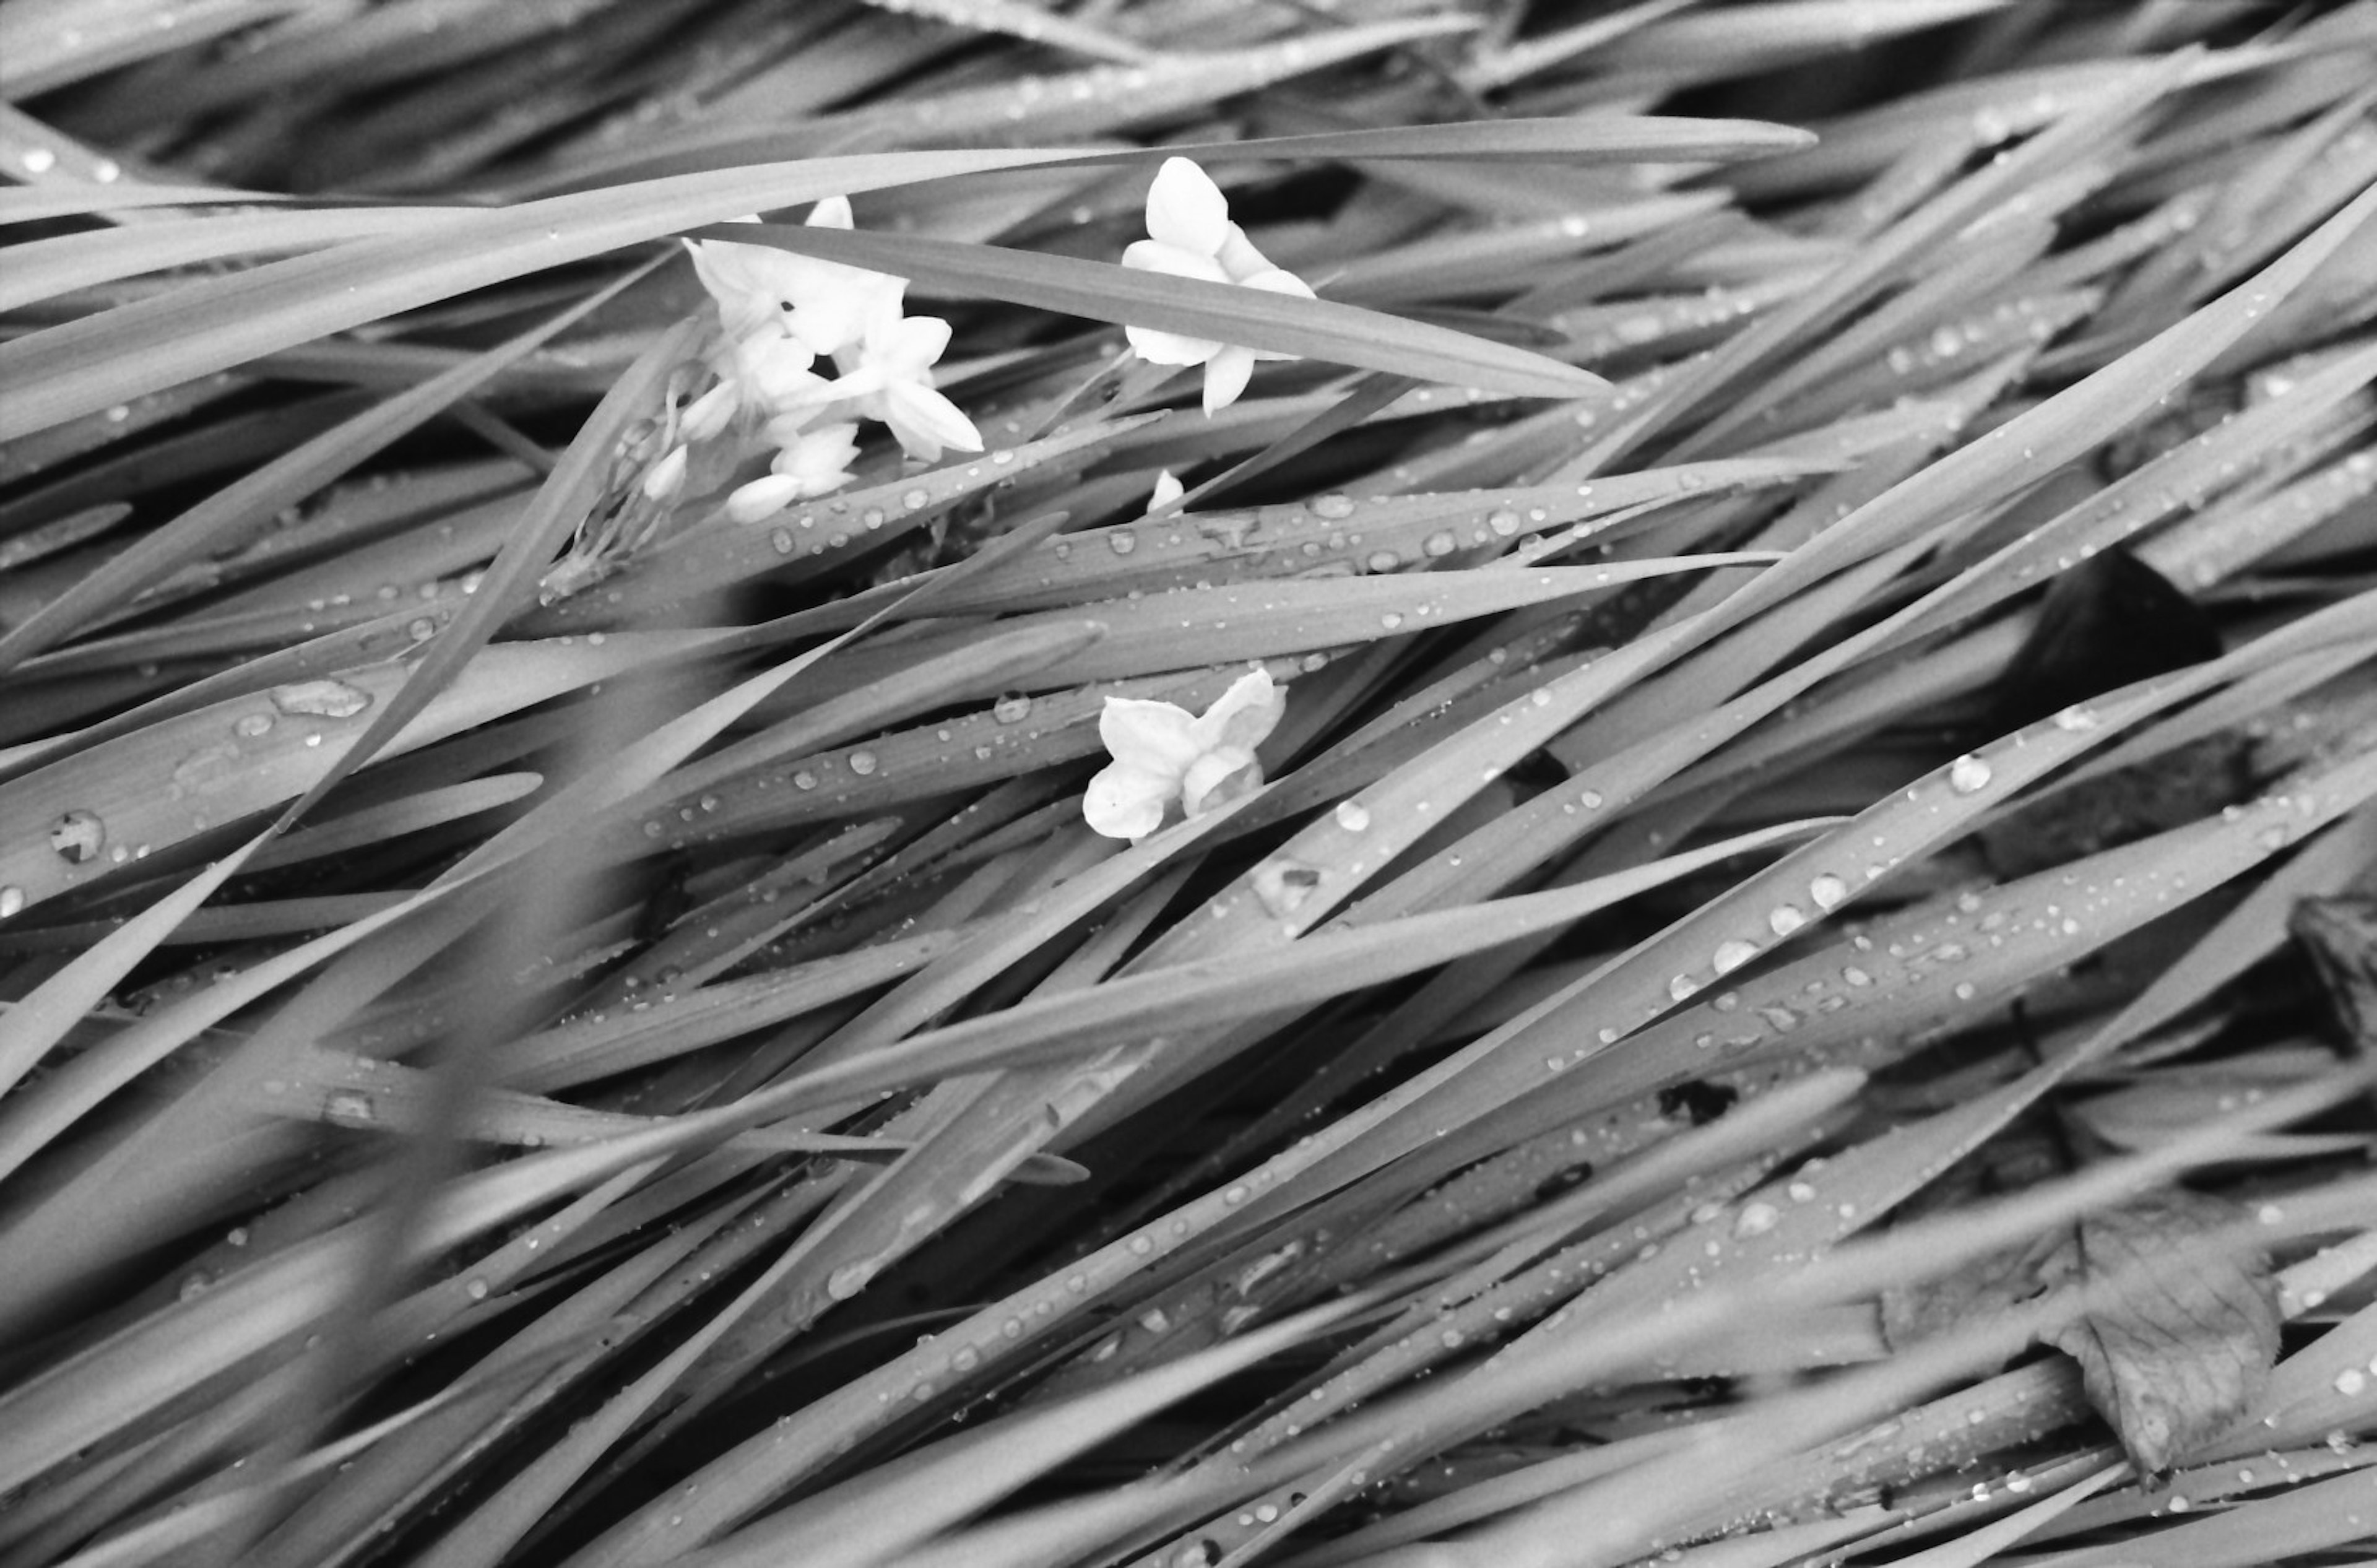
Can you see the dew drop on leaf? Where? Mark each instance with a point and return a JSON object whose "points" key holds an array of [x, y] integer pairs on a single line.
{"points": [[1968, 773], [1282, 885], [78, 836], [1333, 506], [321, 698]]}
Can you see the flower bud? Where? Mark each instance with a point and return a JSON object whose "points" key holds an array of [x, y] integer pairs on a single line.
{"points": [[666, 477], [763, 497]]}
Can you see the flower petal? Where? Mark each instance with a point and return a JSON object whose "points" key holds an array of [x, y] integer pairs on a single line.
{"points": [[1157, 736], [1126, 801], [1169, 348], [925, 422], [1239, 258], [1186, 209], [1154, 255], [1226, 375], [1218, 778], [1167, 490], [833, 212], [1243, 717]]}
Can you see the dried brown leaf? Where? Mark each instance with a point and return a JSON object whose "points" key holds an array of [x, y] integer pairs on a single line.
{"points": [[2173, 1339]]}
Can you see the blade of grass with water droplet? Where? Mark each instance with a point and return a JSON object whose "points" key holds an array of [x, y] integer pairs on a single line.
{"points": [[276, 484], [41, 1018], [806, 541]]}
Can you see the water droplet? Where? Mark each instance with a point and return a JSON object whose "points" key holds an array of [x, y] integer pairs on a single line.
{"points": [[1503, 521], [2076, 719], [912, 499], [1968, 773], [1785, 918], [1756, 1219], [320, 699], [1011, 709], [12, 900], [1333, 506], [1440, 542], [804, 780], [862, 762], [78, 836], [1382, 560], [1282, 884], [251, 725], [1391, 620], [848, 1280], [477, 1290], [1731, 955], [1827, 891], [1681, 987], [1352, 816], [349, 1108], [1124, 544]]}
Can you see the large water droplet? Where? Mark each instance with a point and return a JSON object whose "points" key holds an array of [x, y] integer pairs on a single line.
{"points": [[78, 836], [1352, 816], [1011, 709], [1827, 891], [1124, 544], [321, 698], [1282, 884], [862, 762], [1968, 773], [1333, 506], [1785, 918], [251, 725], [12, 900], [1731, 955]]}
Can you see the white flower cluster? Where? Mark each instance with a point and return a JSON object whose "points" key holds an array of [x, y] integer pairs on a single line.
{"points": [[782, 313], [1191, 236]]}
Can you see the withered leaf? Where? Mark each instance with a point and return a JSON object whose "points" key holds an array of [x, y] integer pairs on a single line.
{"points": [[2188, 1335], [2174, 1341]]}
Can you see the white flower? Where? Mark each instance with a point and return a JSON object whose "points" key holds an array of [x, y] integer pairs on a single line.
{"points": [[763, 497], [819, 459], [1191, 236], [891, 375], [1161, 753], [666, 477], [824, 305]]}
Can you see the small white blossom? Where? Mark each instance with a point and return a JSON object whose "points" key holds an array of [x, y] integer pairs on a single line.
{"points": [[819, 459], [1191, 236], [891, 377], [823, 305], [1162, 753]]}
